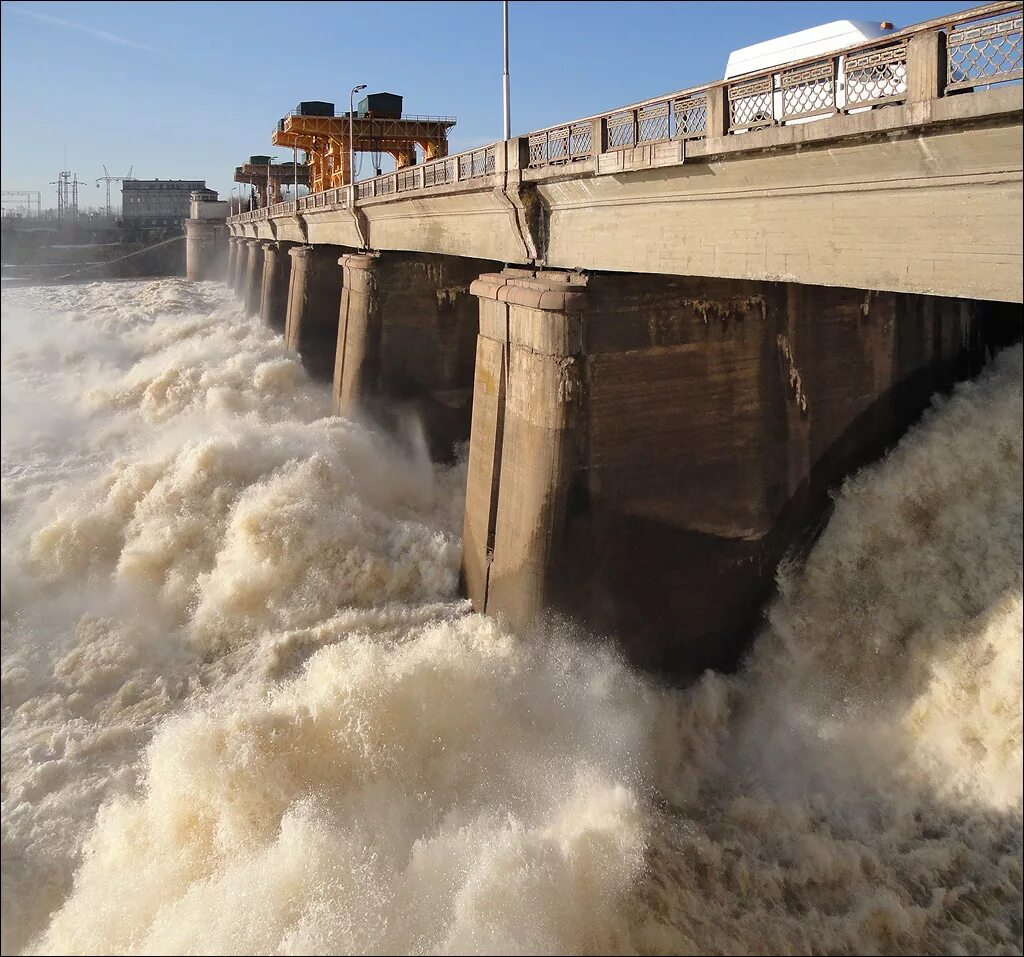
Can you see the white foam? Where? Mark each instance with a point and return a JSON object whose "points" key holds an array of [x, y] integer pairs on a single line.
{"points": [[230, 628]]}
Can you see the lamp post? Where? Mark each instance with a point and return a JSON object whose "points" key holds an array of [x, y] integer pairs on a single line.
{"points": [[352, 145], [504, 75]]}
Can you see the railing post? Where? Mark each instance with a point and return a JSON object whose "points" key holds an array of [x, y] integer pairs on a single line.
{"points": [[926, 66], [517, 153], [718, 110], [599, 137]]}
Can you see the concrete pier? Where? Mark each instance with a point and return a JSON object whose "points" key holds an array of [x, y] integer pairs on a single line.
{"points": [[253, 281], [237, 278], [314, 296], [646, 448], [205, 247], [274, 286], [229, 273], [406, 336]]}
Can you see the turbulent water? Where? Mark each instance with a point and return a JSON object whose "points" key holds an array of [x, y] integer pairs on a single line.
{"points": [[244, 710]]}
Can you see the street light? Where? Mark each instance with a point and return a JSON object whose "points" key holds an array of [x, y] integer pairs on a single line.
{"points": [[352, 145], [504, 75]]}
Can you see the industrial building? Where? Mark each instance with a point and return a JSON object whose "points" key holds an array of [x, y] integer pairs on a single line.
{"points": [[159, 204]]}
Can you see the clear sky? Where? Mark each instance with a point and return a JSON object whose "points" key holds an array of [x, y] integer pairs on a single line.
{"points": [[189, 90]]}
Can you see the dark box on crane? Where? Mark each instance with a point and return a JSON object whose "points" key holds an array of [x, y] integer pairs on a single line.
{"points": [[315, 108], [385, 106], [259, 160]]}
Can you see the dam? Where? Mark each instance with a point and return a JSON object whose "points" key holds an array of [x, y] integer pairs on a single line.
{"points": [[667, 331]]}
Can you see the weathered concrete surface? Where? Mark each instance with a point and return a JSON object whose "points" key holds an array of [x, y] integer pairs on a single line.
{"points": [[938, 214], [480, 223], [253, 278], [274, 285], [206, 245], [406, 336], [645, 449], [314, 294]]}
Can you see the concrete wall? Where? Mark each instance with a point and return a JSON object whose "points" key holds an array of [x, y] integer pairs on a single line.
{"points": [[645, 449], [406, 339], [939, 214], [314, 295]]}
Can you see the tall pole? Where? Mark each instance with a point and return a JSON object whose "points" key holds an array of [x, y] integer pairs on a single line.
{"points": [[352, 145], [504, 76], [295, 174]]}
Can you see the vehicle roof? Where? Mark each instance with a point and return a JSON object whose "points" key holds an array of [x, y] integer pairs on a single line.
{"points": [[826, 38]]}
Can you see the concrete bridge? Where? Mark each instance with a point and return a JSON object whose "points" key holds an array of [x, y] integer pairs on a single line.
{"points": [[669, 329]]}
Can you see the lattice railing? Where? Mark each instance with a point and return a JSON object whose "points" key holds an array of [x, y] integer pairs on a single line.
{"points": [[407, 179], [876, 76], [562, 144], [985, 53], [439, 172], [690, 116], [751, 103], [809, 91]]}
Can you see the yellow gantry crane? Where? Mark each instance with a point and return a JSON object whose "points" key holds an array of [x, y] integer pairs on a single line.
{"points": [[377, 127], [267, 177]]}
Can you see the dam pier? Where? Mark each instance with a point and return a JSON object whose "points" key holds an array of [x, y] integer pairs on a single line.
{"points": [[668, 330]]}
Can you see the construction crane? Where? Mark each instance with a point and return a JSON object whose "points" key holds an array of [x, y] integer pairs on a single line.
{"points": [[108, 179]]}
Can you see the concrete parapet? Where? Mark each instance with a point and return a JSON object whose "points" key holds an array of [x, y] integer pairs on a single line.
{"points": [[406, 337], [274, 285], [645, 449], [253, 282], [314, 294]]}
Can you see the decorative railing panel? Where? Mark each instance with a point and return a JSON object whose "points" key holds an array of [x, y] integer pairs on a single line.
{"points": [[809, 91], [876, 76], [581, 141], [690, 116], [985, 53], [653, 123], [751, 103], [563, 144], [408, 179], [621, 129]]}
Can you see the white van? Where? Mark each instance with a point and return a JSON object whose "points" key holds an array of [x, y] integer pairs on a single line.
{"points": [[812, 97]]}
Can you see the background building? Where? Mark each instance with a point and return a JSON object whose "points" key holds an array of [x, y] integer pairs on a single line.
{"points": [[159, 204]]}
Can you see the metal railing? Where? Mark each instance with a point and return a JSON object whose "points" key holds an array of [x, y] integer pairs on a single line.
{"points": [[410, 117], [980, 47], [473, 164]]}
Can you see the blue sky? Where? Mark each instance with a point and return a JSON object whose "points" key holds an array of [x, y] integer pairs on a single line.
{"points": [[188, 90]]}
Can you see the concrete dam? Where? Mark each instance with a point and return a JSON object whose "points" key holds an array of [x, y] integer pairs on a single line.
{"points": [[667, 331]]}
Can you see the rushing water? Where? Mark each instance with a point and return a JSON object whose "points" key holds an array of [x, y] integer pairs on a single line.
{"points": [[244, 710]]}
